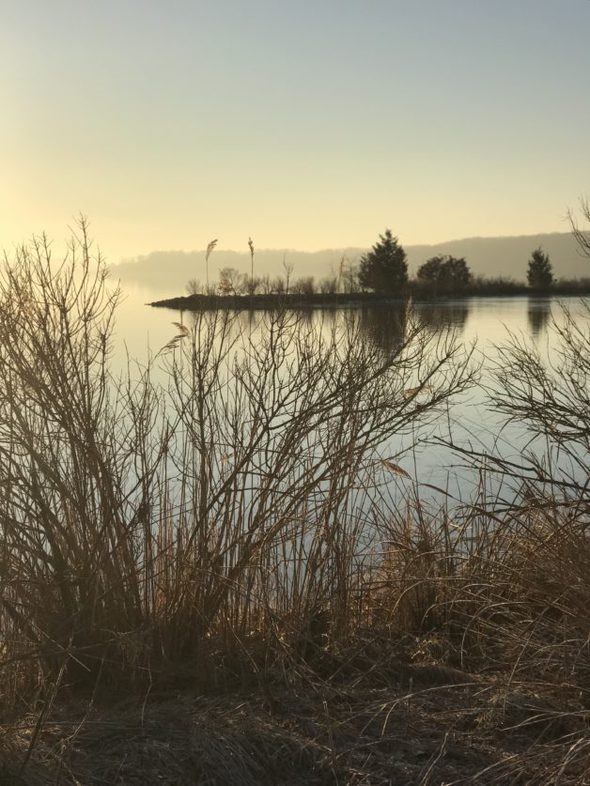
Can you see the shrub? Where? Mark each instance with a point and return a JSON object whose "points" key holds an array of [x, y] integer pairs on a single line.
{"points": [[446, 273], [329, 285], [149, 532], [304, 285]]}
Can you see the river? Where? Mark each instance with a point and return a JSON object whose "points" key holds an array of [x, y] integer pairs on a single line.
{"points": [[484, 323]]}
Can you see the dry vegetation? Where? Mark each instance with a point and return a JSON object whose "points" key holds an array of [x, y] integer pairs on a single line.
{"points": [[212, 582]]}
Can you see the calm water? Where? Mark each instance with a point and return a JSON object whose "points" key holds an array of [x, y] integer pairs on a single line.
{"points": [[143, 329], [471, 421]]}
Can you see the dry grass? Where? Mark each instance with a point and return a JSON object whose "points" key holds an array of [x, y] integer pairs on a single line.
{"points": [[232, 537]]}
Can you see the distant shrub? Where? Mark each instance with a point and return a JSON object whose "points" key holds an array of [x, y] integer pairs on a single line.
{"points": [[194, 286], [497, 285], [266, 286], [279, 285], [304, 285], [231, 281], [250, 285], [447, 273], [329, 285]]}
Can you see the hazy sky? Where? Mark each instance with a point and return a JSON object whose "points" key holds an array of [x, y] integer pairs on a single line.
{"points": [[304, 123]]}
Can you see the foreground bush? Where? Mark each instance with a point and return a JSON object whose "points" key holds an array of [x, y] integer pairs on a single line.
{"points": [[159, 534]]}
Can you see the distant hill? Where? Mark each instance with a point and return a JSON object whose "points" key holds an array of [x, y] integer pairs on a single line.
{"points": [[508, 256], [488, 256]]}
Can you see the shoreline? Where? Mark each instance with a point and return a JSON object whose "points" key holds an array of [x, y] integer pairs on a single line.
{"points": [[358, 299]]}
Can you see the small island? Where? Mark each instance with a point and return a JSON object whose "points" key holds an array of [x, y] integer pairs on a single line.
{"points": [[380, 279]]}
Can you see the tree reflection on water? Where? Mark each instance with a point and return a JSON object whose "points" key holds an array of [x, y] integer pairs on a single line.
{"points": [[538, 313], [385, 326], [439, 316]]}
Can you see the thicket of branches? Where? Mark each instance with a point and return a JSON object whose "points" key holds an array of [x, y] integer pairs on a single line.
{"points": [[238, 526], [145, 528]]}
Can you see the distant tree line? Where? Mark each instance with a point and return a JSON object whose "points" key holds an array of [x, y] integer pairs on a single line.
{"points": [[383, 270]]}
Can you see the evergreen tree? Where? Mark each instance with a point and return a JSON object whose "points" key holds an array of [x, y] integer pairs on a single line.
{"points": [[540, 272], [384, 268]]}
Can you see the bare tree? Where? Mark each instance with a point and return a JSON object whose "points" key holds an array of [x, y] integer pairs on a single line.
{"points": [[288, 267], [231, 281], [348, 276], [194, 286], [329, 285], [279, 286], [304, 285], [266, 285], [251, 285], [582, 236]]}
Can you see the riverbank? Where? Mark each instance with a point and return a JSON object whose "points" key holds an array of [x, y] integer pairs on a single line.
{"points": [[415, 290], [275, 301]]}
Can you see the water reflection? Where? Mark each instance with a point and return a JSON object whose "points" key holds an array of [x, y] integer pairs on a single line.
{"points": [[384, 326], [538, 313], [440, 316]]}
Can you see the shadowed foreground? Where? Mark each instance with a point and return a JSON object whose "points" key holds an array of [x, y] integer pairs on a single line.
{"points": [[384, 724]]}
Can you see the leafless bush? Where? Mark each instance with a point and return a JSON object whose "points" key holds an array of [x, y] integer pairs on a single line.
{"points": [[582, 236], [266, 285], [304, 285], [329, 285], [194, 286], [279, 286], [231, 281], [251, 285], [548, 396], [151, 531]]}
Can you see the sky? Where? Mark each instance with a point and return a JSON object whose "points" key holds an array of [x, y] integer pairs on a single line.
{"points": [[307, 125]]}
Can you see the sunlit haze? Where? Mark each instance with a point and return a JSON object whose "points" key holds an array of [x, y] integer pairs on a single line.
{"points": [[305, 125]]}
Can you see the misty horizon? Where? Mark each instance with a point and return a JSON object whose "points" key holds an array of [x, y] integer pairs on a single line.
{"points": [[505, 256], [333, 248]]}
